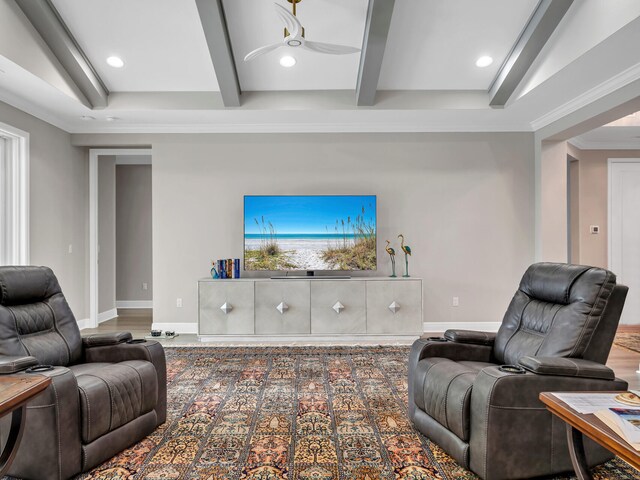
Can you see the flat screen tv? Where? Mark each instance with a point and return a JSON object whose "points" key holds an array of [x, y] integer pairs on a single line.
{"points": [[310, 232]]}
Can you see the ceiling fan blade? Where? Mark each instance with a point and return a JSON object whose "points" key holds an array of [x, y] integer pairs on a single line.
{"points": [[261, 51], [329, 48], [290, 21]]}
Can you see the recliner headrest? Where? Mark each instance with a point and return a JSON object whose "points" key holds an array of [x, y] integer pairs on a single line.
{"points": [[23, 285], [551, 282]]}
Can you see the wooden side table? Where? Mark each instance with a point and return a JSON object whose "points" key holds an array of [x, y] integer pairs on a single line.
{"points": [[15, 393], [579, 424]]}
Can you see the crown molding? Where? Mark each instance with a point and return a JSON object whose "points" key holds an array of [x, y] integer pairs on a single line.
{"points": [[578, 143], [33, 110], [605, 88], [583, 144], [311, 128]]}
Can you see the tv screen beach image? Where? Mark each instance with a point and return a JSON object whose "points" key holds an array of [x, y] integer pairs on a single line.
{"points": [[310, 232]]}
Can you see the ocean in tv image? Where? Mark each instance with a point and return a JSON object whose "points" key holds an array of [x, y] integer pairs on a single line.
{"points": [[331, 232]]}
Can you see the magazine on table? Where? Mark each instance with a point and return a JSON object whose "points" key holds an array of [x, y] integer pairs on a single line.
{"points": [[625, 422]]}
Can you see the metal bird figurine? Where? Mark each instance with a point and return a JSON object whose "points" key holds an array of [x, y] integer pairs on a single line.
{"points": [[407, 251], [392, 254]]}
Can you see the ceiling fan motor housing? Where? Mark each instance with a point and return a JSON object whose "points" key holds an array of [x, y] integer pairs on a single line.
{"points": [[286, 33]]}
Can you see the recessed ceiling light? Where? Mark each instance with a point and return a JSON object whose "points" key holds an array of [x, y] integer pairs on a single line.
{"points": [[112, 119], [484, 61], [87, 117], [287, 61], [115, 62]]}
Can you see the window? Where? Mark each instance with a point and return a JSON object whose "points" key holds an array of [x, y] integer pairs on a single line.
{"points": [[4, 202], [14, 196]]}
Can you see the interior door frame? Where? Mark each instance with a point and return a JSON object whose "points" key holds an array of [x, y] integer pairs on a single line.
{"points": [[611, 162], [15, 179], [94, 153]]}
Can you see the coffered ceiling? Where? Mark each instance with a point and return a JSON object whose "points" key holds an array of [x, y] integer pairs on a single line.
{"points": [[161, 42], [434, 44], [184, 68]]}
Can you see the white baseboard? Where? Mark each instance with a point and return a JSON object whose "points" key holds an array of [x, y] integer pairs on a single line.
{"points": [[176, 327], [84, 323], [108, 315], [303, 340], [134, 304], [480, 326]]}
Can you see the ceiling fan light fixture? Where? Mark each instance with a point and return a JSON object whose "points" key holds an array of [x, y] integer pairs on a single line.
{"points": [[484, 61], [294, 37], [287, 61], [115, 62]]}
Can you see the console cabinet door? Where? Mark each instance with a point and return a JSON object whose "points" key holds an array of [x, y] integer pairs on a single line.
{"points": [[295, 317], [325, 294], [407, 295], [238, 296]]}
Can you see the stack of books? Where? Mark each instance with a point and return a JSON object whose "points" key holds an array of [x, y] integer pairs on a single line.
{"points": [[228, 268], [623, 421]]}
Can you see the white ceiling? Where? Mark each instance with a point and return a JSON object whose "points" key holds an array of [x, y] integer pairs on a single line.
{"points": [[428, 81], [161, 42], [609, 138], [623, 133], [434, 44]]}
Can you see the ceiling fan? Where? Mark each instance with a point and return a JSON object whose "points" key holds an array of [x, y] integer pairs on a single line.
{"points": [[294, 37]]}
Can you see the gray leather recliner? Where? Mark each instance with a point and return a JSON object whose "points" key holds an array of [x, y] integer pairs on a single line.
{"points": [[559, 329], [107, 392]]}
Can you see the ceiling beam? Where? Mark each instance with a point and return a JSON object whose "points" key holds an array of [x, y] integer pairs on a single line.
{"points": [[376, 32], [47, 21], [542, 24], [216, 32]]}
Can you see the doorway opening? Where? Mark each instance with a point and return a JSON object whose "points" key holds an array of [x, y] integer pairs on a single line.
{"points": [[121, 277]]}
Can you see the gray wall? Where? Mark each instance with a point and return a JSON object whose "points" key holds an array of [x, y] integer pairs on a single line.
{"points": [[554, 222], [574, 209], [465, 203], [58, 205], [133, 233], [106, 233]]}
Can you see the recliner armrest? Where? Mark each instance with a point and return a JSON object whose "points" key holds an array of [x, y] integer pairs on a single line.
{"points": [[470, 336], [566, 367], [148, 350], [15, 364], [104, 339], [504, 405], [423, 348]]}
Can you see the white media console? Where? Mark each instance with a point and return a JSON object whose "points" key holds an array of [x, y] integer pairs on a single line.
{"points": [[361, 307]]}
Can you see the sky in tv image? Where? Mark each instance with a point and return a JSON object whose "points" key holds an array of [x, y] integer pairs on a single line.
{"points": [[310, 232]]}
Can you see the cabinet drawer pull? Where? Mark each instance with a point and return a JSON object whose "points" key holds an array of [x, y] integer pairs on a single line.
{"points": [[394, 307], [282, 308], [226, 308], [338, 307]]}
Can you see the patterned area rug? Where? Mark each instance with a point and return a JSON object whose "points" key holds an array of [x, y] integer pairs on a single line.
{"points": [[290, 413], [630, 341]]}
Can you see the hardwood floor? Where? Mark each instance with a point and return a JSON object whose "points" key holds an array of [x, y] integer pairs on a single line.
{"points": [[138, 321]]}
